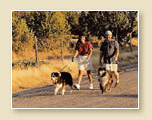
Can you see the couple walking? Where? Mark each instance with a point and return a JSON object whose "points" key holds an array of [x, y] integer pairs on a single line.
{"points": [[109, 51]]}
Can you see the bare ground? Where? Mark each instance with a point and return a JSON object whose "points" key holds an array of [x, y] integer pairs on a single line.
{"points": [[126, 96]]}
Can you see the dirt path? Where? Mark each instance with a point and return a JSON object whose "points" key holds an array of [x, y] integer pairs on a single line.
{"points": [[126, 96]]}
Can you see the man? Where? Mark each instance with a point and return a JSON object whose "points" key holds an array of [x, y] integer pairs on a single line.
{"points": [[109, 51]]}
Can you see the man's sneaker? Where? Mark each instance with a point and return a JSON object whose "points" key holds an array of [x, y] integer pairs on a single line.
{"points": [[117, 85], [91, 86], [77, 86]]}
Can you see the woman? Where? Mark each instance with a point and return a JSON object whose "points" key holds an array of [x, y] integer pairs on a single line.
{"points": [[84, 51]]}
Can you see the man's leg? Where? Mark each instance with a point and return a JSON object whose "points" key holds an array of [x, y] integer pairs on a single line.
{"points": [[116, 74]]}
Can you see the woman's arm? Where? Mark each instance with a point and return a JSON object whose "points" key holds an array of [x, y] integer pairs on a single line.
{"points": [[76, 53], [90, 54]]}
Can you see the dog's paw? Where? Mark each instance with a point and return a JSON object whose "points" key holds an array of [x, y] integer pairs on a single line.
{"points": [[55, 93], [63, 91], [108, 90]]}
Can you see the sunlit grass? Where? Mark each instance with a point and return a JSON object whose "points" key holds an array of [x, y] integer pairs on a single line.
{"points": [[33, 77]]}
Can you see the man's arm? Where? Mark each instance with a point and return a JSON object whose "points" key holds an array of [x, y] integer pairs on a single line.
{"points": [[117, 54], [117, 50], [100, 58]]}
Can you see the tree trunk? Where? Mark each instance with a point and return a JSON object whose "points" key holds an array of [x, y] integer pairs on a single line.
{"points": [[36, 53], [130, 44], [62, 50], [117, 34]]}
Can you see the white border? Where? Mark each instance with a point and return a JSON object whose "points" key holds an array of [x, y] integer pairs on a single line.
{"points": [[76, 108], [11, 60], [138, 57]]}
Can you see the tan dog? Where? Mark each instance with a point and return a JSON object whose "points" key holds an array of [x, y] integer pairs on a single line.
{"points": [[105, 79]]}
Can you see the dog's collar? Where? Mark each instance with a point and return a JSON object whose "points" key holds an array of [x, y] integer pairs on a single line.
{"points": [[104, 74]]}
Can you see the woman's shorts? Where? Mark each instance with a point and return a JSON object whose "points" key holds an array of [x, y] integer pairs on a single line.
{"points": [[111, 67], [83, 63]]}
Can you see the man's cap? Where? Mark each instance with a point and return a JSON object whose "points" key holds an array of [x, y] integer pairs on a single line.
{"points": [[108, 32]]}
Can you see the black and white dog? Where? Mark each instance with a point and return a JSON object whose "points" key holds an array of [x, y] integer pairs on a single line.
{"points": [[61, 79], [105, 79]]}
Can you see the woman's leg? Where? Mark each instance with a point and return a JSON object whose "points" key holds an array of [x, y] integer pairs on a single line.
{"points": [[89, 76], [80, 76], [90, 79]]}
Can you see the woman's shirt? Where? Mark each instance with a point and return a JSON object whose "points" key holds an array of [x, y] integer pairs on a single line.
{"points": [[84, 48]]}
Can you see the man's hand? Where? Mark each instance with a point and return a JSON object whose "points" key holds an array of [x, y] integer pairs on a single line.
{"points": [[115, 58]]}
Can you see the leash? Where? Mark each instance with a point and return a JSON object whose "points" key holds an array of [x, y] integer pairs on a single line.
{"points": [[64, 67]]}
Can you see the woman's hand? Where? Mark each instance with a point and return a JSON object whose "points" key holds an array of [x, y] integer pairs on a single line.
{"points": [[75, 55], [88, 58], [73, 59]]}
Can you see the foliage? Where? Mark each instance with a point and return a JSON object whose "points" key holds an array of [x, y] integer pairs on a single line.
{"points": [[22, 36], [50, 27], [119, 22]]}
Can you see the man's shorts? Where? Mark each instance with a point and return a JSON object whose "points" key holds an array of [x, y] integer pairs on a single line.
{"points": [[111, 67], [83, 63]]}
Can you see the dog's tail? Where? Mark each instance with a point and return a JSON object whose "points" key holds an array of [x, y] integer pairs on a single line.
{"points": [[120, 70]]}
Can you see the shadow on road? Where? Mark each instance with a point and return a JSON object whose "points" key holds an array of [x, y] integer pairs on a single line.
{"points": [[33, 91], [122, 95]]}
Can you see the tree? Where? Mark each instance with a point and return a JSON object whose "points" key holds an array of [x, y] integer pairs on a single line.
{"points": [[22, 37], [119, 22], [73, 19]]}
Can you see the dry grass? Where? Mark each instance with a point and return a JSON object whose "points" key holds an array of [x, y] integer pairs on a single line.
{"points": [[127, 58], [30, 55], [33, 77], [134, 41]]}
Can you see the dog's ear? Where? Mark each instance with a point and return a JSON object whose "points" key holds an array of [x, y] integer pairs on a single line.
{"points": [[59, 74], [99, 68], [52, 74]]}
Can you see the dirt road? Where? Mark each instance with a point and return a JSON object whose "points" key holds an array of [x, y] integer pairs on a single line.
{"points": [[126, 96]]}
